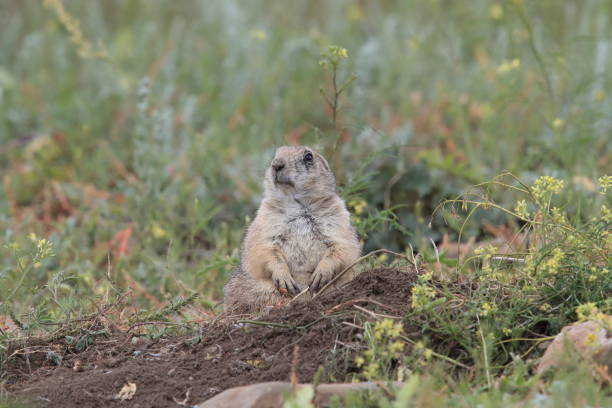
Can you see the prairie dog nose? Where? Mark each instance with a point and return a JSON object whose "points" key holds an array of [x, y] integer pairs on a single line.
{"points": [[278, 164]]}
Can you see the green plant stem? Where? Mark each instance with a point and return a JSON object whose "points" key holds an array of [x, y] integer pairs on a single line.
{"points": [[540, 339], [538, 223], [484, 353], [24, 272], [438, 355], [537, 54]]}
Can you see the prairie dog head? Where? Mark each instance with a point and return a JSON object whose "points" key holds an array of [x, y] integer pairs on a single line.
{"points": [[299, 170]]}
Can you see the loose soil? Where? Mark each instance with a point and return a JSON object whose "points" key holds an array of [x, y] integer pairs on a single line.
{"points": [[173, 372]]}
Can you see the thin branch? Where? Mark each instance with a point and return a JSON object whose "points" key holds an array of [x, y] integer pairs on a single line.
{"points": [[374, 314], [353, 301], [339, 275], [539, 339], [268, 324]]}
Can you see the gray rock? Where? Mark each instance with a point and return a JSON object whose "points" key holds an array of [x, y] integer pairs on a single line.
{"points": [[270, 394], [588, 340]]}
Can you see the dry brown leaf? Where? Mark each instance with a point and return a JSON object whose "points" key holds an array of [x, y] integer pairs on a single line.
{"points": [[127, 392], [7, 324]]}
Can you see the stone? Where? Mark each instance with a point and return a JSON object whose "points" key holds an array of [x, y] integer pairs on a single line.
{"points": [[270, 394], [589, 340]]}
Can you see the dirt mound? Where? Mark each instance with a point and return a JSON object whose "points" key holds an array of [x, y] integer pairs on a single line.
{"points": [[189, 370]]}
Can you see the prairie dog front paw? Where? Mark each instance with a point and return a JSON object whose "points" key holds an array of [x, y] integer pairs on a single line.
{"points": [[319, 278], [283, 281]]}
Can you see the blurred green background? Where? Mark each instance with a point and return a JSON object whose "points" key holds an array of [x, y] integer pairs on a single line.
{"points": [[134, 134]]}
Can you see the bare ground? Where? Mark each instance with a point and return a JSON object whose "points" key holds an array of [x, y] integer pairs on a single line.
{"points": [[183, 371]]}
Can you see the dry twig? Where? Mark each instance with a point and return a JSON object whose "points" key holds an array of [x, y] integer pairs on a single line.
{"points": [[378, 251]]}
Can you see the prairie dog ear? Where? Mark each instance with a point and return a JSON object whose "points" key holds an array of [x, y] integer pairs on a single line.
{"points": [[325, 164]]}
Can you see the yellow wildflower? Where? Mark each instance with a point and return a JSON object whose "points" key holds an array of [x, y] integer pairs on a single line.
{"points": [[507, 66], [73, 27], [387, 328], [45, 248], [496, 11], [259, 35], [551, 265], [599, 96], [590, 340], [586, 311], [504, 67], [358, 206], [157, 231], [371, 370], [421, 296], [545, 307], [606, 213], [545, 186], [486, 251], [380, 328], [426, 277], [521, 209], [397, 346], [557, 123], [354, 13], [605, 182], [488, 309], [557, 216], [337, 51], [396, 330]]}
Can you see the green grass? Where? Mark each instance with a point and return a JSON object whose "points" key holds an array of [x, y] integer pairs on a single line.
{"points": [[138, 149]]}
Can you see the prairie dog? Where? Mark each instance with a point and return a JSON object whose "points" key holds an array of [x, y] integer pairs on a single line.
{"points": [[300, 238]]}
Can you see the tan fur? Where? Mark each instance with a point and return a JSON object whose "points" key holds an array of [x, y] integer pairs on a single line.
{"points": [[300, 238]]}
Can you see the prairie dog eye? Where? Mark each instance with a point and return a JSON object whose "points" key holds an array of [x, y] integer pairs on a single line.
{"points": [[308, 157]]}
